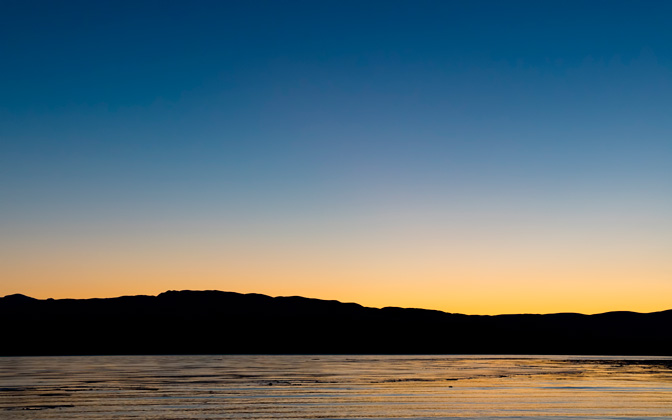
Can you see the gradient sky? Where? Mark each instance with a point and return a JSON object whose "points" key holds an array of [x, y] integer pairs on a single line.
{"points": [[468, 156]]}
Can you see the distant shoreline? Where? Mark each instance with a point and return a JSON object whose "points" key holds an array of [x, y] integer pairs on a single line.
{"points": [[214, 322]]}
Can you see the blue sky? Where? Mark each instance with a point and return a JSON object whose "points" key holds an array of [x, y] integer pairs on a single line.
{"points": [[297, 125]]}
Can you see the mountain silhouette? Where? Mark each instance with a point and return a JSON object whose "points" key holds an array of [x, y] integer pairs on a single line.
{"points": [[215, 322]]}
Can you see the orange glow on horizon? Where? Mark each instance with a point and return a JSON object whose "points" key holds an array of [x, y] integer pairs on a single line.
{"points": [[402, 261], [462, 290]]}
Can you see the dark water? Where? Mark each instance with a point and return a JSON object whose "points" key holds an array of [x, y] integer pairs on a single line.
{"points": [[335, 387]]}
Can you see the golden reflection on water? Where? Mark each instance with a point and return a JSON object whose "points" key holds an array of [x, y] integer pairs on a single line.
{"points": [[335, 387]]}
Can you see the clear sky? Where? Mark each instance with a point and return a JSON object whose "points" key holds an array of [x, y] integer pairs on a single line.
{"points": [[468, 156]]}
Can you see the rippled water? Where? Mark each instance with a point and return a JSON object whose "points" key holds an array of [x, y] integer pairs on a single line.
{"points": [[335, 387]]}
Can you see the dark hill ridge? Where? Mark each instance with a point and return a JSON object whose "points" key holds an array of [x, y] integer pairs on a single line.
{"points": [[197, 322]]}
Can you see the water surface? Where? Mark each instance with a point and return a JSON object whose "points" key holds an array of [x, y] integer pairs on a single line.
{"points": [[335, 387]]}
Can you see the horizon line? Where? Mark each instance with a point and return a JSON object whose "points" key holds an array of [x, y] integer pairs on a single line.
{"points": [[21, 295]]}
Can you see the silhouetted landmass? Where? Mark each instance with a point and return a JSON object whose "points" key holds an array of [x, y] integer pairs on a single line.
{"points": [[204, 322]]}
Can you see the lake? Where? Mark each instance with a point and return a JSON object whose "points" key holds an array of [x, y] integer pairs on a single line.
{"points": [[335, 387]]}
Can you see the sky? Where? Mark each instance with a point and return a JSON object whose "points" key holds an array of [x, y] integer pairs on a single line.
{"points": [[479, 157]]}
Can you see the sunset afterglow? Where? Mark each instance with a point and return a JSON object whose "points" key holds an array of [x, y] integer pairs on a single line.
{"points": [[473, 157]]}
